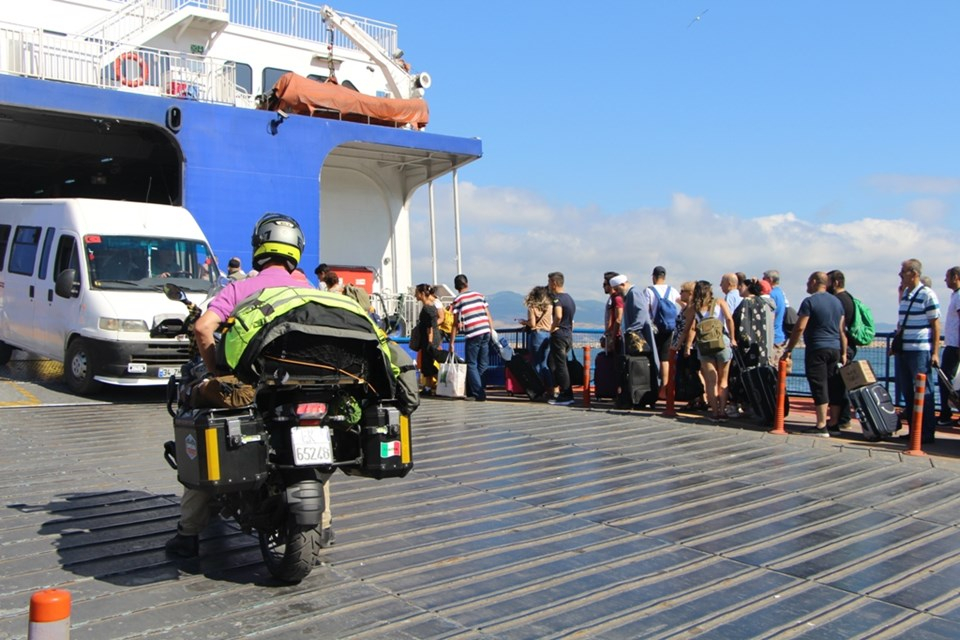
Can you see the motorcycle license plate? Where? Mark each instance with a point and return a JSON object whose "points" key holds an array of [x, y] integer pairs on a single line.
{"points": [[311, 445], [166, 372]]}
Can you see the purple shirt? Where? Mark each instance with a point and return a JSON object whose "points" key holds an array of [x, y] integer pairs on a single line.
{"points": [[228, 298]]}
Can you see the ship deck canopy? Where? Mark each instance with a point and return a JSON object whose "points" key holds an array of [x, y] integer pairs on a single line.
{"points": [[418, 165]]}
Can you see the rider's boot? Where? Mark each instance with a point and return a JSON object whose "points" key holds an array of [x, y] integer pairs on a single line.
{"points": [[183, 545]]}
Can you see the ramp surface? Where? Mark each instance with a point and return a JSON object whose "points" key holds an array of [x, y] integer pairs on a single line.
{"points": [[519, 521]]}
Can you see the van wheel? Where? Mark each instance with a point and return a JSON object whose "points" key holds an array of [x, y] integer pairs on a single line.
{"points": [[78, 368], [5, 352]]}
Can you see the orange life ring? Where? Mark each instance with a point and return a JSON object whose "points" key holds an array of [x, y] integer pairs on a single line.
{"points": [[119, 68]]}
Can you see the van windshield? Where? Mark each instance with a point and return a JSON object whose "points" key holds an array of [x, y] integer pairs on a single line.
{"points": [[131, 262]]}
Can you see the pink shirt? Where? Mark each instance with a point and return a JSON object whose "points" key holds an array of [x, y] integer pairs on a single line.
{"points": [[225, 301]]}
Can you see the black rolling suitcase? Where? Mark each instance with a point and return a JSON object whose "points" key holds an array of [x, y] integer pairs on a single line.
{"points": [[688, 385], [606, 376], [878, 416], [526, 376], [759, 384], [638, 386], [953, 396]]}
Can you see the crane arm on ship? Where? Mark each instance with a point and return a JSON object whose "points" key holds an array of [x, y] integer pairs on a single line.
{"points": [[401, 82]]}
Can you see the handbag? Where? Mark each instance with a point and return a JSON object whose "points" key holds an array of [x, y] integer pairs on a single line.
{"points": [[416, 338], [575, 369], [452, 378]]}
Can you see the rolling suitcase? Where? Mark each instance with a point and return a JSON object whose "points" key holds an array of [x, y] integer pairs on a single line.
{"points": [[638, 387], [521, 377], [688, 385], [953, 396], [878, 416], [760, 386], [606, 376]]}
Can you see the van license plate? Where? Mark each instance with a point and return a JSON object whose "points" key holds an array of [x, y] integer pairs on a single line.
{"points": [[311, 445], [166, 372]]}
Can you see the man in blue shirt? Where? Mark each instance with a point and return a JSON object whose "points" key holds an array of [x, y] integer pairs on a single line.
{"points": [[780, 300], [820, 320]]}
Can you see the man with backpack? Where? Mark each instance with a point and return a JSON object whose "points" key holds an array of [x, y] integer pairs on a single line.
{"points": [[662, 302]]}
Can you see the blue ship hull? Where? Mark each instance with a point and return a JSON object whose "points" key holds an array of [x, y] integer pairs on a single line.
{"points": [[238, 163]]}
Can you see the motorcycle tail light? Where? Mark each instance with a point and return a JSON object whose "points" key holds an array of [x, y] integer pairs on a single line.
{"points": [[311, 413]]}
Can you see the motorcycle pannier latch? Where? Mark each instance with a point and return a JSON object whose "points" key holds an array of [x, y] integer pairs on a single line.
{"points": [[233, 432]]}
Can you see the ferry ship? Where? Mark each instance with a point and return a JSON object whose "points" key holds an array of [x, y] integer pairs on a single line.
{"points": [[230, 108]]}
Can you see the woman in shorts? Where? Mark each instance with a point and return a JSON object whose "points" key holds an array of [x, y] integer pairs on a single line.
{"points": [[715, 366]]}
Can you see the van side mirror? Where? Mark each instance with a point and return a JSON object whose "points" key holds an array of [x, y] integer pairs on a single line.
{"points": [[68, 284]]}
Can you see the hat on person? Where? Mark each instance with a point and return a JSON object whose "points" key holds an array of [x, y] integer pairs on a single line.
{"points": [[616, 281], [765, 287], [234, 263], [659, 271]]}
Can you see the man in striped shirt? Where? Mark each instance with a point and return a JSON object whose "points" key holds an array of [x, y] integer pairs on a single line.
{"points": [[472, 318], [919, 322]]}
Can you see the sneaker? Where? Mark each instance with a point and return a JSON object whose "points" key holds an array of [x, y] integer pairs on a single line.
{"points": [[945, 422], [561, 401], [813, 431], [731, 411]]}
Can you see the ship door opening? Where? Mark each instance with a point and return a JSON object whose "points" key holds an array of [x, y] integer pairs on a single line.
{"points": [[47, 154]]}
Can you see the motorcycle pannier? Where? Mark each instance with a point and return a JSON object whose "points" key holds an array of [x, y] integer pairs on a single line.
{"points": [[220, 450], [385, 443]]}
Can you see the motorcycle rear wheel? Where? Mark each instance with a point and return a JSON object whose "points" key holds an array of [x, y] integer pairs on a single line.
{"points": [[290, 550]]}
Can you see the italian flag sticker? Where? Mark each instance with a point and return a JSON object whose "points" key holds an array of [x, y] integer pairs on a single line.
{"points": [[389, 449]]}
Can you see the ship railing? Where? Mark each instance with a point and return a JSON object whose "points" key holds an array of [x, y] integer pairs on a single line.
{"points": [[34, 53], [304, 21], [133, 17], [291, 18]]}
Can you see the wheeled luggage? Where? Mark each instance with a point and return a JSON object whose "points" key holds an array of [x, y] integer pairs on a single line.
{"points": [[878, 416], [606, 376], [953, 396], [638, 386], [687, 383], [760, 387], [521, 377]]}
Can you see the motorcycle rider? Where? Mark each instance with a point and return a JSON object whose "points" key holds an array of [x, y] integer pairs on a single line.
{"points": [[277, 246]]}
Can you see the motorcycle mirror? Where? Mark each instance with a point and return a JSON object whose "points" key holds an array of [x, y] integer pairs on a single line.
{"points": [[173, 292]]}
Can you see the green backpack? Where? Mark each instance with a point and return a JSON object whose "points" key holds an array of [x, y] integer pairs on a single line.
{"points": [[709, 333], [862, 330]]}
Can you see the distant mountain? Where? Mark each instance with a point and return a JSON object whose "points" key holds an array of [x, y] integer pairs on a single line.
{"points": [[507, 310]]}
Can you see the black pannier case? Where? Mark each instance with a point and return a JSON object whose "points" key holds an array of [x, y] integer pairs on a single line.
{"points": [[220, 450], [385, 445]]}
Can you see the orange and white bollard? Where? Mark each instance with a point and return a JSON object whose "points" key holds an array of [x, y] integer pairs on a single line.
{"points": [[671, 410], [916, 423], [778, 418], [49, 615]]}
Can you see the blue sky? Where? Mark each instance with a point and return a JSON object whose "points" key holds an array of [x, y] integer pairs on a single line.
{"points": [[768, 134]]}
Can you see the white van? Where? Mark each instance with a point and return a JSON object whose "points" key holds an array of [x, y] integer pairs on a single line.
{"points": [[80, 282]]}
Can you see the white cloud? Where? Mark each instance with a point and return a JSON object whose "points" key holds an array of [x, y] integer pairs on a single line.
{"points": [[511, 239]]}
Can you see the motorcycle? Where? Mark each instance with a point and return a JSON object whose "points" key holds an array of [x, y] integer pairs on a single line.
{"points": [[326, 398]]}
